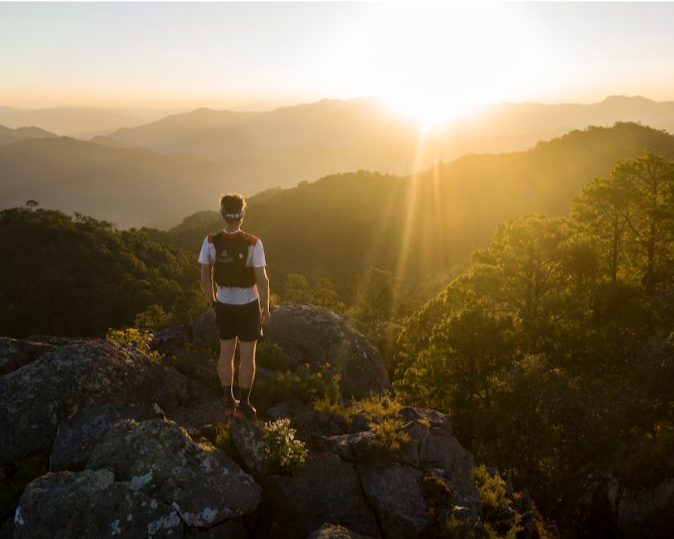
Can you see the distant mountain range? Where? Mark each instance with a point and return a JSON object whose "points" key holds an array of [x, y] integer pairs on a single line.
{"points": [[420, 224], [9, 135], [128, 186], [80, 122], [309, 141], [183, 162]]}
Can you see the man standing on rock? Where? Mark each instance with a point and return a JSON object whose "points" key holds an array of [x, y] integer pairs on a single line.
{"points": [[235, 260]]}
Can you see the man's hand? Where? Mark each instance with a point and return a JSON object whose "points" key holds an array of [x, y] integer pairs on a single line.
{"points": [[265, 315]]}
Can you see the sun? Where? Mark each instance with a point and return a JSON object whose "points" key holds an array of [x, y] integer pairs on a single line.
{"points": [[438, 62]]}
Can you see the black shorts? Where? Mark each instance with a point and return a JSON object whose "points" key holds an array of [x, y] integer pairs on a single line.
{"points": [[242, 321]]}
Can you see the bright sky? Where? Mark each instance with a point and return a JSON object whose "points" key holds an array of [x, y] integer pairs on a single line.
{"points": [[441, 56]]}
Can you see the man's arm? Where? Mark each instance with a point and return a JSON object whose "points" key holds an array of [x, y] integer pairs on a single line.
{"points": [[207, 283], [263, 287]]}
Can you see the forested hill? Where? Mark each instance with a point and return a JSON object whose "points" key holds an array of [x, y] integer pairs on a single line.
{"points": [[74, 275], [421, 224]]}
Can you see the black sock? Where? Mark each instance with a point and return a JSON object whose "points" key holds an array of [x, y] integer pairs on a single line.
{"points": [[245, 395], [229, 394]]}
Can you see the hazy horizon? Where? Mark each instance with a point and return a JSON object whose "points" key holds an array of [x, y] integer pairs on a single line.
{"points": [[431, 61]]}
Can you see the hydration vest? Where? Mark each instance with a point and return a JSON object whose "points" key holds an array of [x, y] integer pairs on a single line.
{"points": [[231, 254]]}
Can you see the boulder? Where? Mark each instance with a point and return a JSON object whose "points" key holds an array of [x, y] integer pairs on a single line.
{"points": [[352, 447], [249, 441], [326, 490], [330, 531], [204, 333], [55, 340], [66, 379], [457, 465], [393, 493], [77, 436], [158, 457], [171, 341], [310, 334], [230, 529], [288, 409], [15, 353], [90, 504], [438, 422]]}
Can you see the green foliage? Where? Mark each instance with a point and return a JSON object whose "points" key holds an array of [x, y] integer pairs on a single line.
{"points": [[510, 534], [389, 437], [492, 491], [553, 352], [188, 305], [296, 289], [425, 224], [153, 318], [332, 408], [225, 441], [457, 529], [282, 387], [138, 339], [377, 407], [375, 297], [286, 452], [82, 276], [646, 461], [321, 380], [270, 356]]}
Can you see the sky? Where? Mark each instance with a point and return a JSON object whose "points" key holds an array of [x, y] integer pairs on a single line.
{"points": [[418, 57]]}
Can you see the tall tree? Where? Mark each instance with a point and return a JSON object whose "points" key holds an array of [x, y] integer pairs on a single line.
{"points": [[647, 182], [602, 210]]}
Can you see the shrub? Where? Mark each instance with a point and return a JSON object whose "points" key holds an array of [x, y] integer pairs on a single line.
{"points": [[388, 438], [287, 453], [282, 387], [321, 381], [492, 491], [377, 407], [333, 408], [136, 338], [271, 356], [225, 441]]}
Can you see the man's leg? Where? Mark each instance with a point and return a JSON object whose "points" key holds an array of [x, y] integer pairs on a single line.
{"points": [[226, 368], [247, 372]]}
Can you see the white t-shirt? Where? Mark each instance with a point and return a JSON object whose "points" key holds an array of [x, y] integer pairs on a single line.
{"points": [[234, 295]]}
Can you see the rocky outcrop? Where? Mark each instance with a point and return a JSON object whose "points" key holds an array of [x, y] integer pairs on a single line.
{"points": [[118, 466], [66, 379], [327, 490], [77, 436], [15, 353], [249, 440], [393, 493], [90, 504], [308, 334], [159, 458]]}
